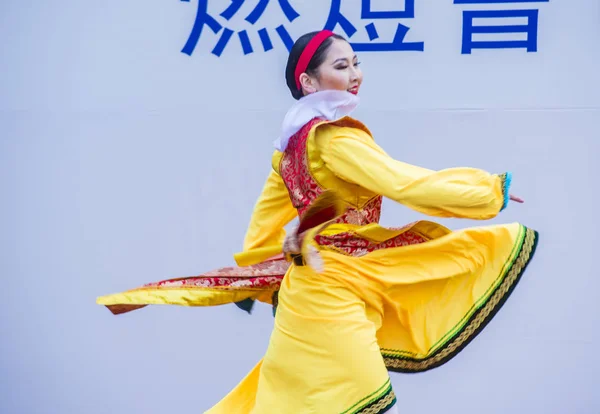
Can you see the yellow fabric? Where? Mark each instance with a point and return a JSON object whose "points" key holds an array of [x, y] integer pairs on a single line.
{"points": [[272, 212], [332, 328], [264, 239], [242, 398], [257, 255], [353, 156], [407, 308], [352, 195], [340, 329], [185, 296]]}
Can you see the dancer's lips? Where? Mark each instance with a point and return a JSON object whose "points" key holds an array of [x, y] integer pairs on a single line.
{"points": [[353, 90]]}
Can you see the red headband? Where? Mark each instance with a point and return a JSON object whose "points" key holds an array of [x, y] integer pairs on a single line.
{"points": [[308, 53]]}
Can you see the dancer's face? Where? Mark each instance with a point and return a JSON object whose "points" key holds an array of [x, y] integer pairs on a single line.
{"points": [[339, 71]]}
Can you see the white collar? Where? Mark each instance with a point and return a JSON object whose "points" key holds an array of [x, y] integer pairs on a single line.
{"points": [[330, 105]]}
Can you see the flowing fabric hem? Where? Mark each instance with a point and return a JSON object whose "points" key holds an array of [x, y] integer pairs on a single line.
{"points": [[477, 321], [129, 301], [219, 287], [378, 402]]}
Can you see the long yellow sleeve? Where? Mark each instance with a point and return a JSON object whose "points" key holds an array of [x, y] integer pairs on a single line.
{"points": [[352, 155], [265, 234]]}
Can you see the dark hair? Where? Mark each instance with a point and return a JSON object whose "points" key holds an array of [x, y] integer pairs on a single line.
{"points": [[314, 63]]}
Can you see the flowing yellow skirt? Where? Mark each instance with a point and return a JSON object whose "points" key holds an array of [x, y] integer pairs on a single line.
{"points": [[405, 300], [408, 308]]}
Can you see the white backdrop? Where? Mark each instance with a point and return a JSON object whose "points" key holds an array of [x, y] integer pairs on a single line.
{"points": [[125, 161]]}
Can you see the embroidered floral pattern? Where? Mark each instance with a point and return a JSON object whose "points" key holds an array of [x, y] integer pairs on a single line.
{"points": [[370, 213], [267, 268], [266, 275], [263, 276], [354, 245], [304, 189], [231, 283]]}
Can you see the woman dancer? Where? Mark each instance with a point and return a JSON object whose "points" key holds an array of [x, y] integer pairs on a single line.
{"points": [[358, 299]]}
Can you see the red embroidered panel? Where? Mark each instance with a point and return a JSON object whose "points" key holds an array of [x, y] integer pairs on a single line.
{"points": [[370, 213], [302, 187], [225, 283], [354, 245], [303, 190], [260, 276]]}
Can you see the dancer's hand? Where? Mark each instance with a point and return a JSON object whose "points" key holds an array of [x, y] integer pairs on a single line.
{"points": [[516, 199], [291, 243]]}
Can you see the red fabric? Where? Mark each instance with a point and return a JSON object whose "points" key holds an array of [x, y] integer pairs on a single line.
{"points": [[263, 276], [353, 245], [304, 189], [320, 217], [308, 53]]}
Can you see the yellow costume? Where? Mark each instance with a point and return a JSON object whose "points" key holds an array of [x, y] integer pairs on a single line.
{"points": [[405, 299]]}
